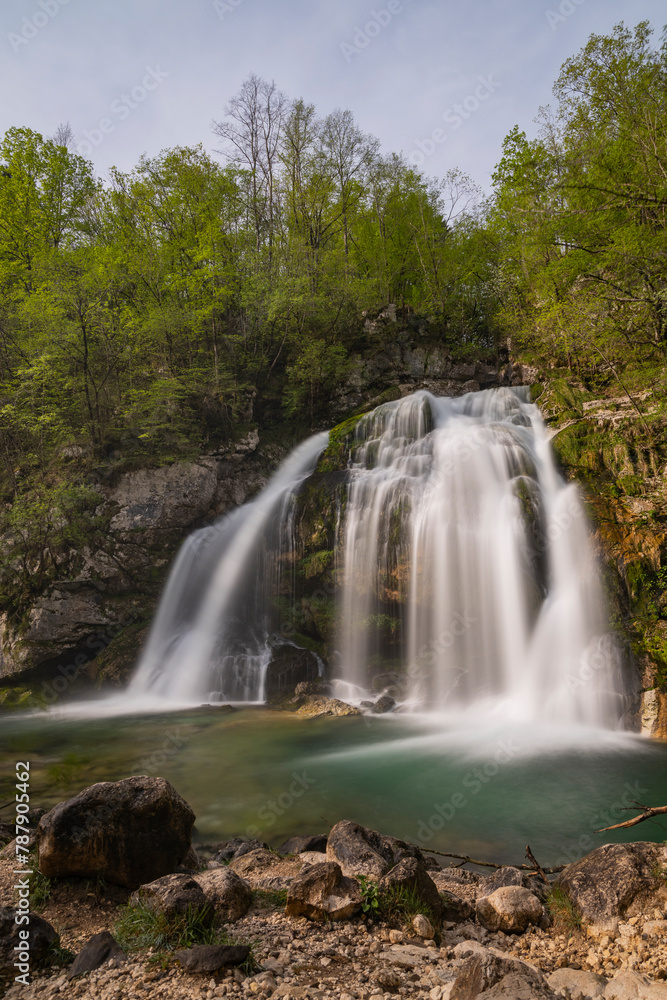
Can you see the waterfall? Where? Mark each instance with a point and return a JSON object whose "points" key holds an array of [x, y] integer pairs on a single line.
{"points": [[455, 536], [458, 523], [210, 638]]}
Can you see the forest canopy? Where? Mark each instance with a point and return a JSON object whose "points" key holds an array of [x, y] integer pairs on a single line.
{"points": [[159, 310]]}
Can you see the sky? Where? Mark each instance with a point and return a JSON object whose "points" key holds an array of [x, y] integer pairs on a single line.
{"points": [[441, 82]]}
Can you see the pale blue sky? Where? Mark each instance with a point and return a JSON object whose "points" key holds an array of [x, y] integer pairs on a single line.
{"points": [[158, 71]]}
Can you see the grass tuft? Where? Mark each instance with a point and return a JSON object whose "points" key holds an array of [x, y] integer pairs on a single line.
{"points": [[564, 913]]}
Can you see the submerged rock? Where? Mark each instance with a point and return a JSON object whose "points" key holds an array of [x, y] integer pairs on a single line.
{"points": [[127, 832]]}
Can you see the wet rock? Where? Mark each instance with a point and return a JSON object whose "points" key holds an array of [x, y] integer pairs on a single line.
{"points": [[510, 908], [360, 851], [211, 957], [318, 686], [411, 874], [316, 706], [322, 892], [288, 667], [297, 845], [227, 892], [98, 949], [384, 704], [614, 880], [578, 982], [42, 936], [127, 832], [173, 896]]}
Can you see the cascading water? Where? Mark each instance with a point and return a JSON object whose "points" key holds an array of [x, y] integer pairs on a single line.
{"points": [[458, 524], [210, 638], [453, 534]]}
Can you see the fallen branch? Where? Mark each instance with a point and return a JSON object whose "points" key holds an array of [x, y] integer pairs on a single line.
{"points": [[465, 860], [647, 813], [536, 864]]}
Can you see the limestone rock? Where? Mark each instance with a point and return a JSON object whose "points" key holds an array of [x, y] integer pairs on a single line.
{"points": [[634, 986], [322, 892], [411, 874], [423, 926], [510, 908], [578, 981], [360, 851], [385, 703], [42, 936], [227, 892], [316, 706], [174, 496], [173, 896], [614, 880], [127, 832], [98, 949], [515, 986]]}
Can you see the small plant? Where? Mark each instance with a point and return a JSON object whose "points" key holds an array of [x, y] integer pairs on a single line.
{"points": [[270, 897], [565, 915], [370, 899], [399, 904], [41, 888], [60, 957], [139, 927]]}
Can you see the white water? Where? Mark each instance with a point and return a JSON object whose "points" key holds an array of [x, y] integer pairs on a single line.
{"points": [[457, 531], [210, 636], [456, 510]]}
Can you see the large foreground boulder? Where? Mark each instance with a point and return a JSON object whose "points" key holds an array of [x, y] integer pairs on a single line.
{"points": [[511, 909], [615, 880], [128, 832], [360, 851], [41, 937], [322, 892]]}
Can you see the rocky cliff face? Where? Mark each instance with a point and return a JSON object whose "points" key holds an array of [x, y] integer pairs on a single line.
{"points": [[615, 448], [88, 626]]}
